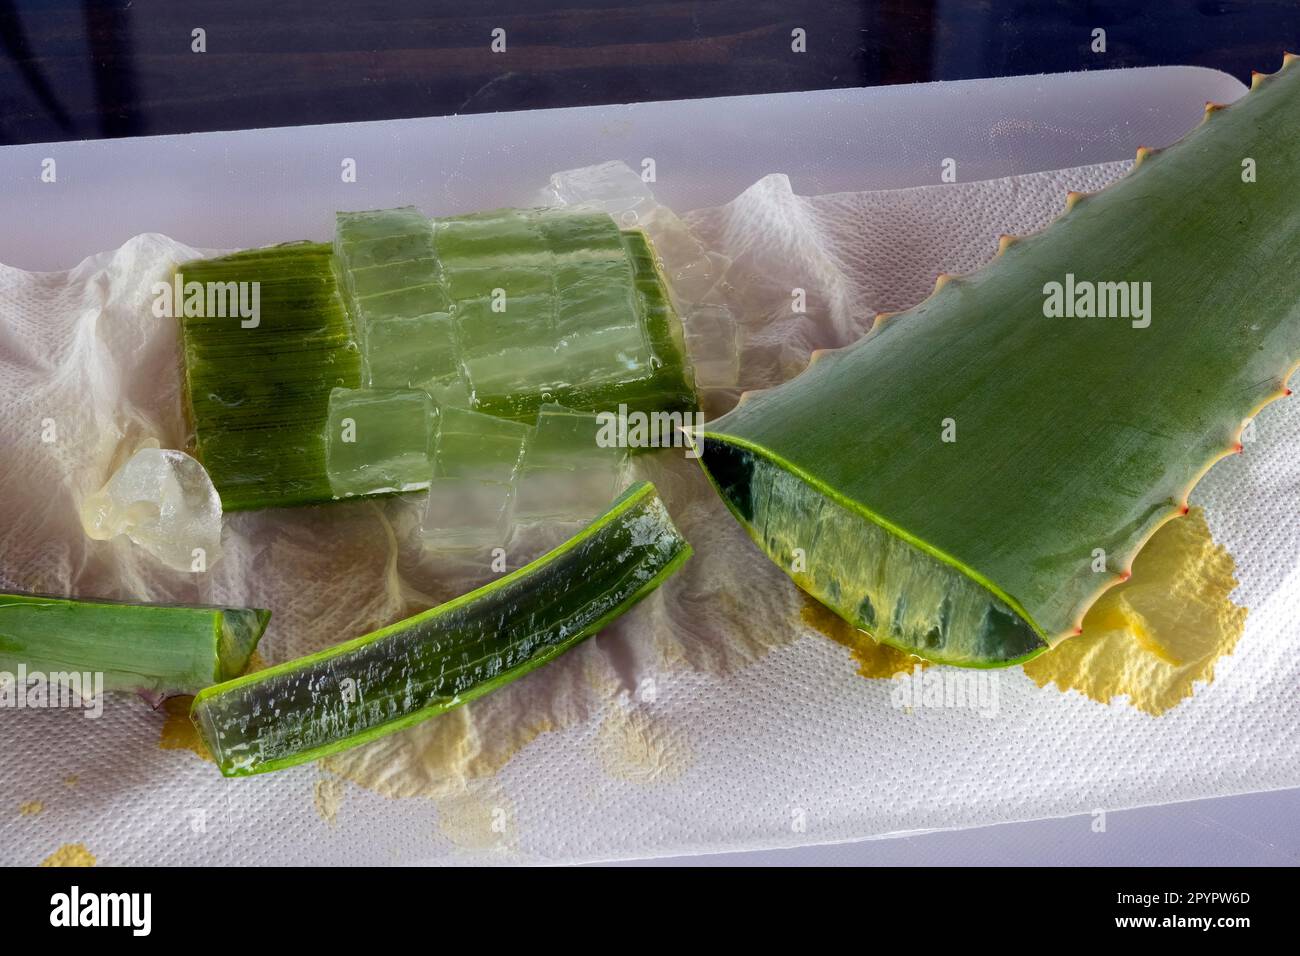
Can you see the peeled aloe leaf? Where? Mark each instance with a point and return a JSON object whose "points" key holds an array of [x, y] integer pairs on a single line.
{"points": [[447, 656], [499, 312], [964, 481], [504, 311], [157, 649]]}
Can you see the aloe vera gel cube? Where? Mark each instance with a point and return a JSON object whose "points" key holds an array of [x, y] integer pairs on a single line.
{"points": [[566, 469], [473, 445], [476, 458], [464, 513], [388, 262], [410, 352], [610, 186], [378, 440], [712, 336]]}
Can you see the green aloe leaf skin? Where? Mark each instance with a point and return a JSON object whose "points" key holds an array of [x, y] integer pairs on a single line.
{"points": [[156, 649], [258, 398], [446, 656], [964, 481]]}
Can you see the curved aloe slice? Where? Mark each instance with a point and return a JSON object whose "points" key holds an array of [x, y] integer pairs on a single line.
{"points": [[448, 655], [156, 649], [966, 480]]}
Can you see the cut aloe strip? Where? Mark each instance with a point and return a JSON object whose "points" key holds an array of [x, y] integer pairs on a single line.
{"points": [[967, 479], [258, 396], [447, 656], [156, 649]]}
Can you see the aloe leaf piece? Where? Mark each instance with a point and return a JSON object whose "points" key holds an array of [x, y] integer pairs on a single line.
{"points": [[156, 649], [499, 312], [258, 395], [446, 656], [521, 306], [964, 481]]}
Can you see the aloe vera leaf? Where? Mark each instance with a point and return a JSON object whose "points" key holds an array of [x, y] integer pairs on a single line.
{"points": [[446, 656], [151, 648], [1071, 434], [258, 397]]}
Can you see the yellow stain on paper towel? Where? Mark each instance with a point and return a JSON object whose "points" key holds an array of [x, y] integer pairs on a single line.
{"points": [[437, 758], [327, 795], [449, 759], [874, 660], [1155, 635], [31, 808], [635, 747], [70, 854], [178, 731], [479, 819]]}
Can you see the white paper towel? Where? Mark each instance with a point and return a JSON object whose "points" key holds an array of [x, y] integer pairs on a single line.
{"points": [[707, 719]]}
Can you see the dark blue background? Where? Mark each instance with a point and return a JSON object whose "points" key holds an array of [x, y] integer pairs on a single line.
{"points": [[76, 70]]}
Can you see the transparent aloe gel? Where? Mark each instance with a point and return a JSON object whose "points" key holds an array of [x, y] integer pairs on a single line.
{"points": [[475, 461], [378, 440], [568, 467]]}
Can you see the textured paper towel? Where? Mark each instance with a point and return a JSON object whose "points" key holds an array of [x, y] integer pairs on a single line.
{"points": [[707, 719]]}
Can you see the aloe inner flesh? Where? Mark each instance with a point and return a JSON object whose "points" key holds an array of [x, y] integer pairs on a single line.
{"points": [[984, 435], [883, 585], [152, 648], [446, 656], [507, 310]]}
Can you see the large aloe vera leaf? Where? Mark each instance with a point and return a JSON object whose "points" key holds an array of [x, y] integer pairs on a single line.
{"points": [[447, 656], [258, 396], [964, 481], [152, 648]]}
